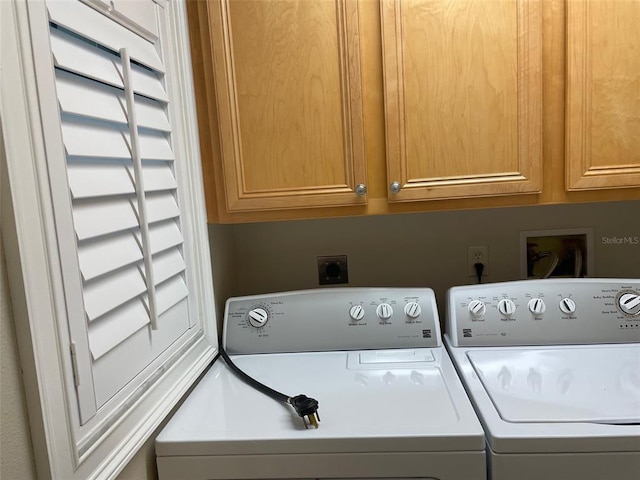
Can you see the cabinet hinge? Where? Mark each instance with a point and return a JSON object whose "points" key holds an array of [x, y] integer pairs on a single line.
{"points": [[74, 364]]}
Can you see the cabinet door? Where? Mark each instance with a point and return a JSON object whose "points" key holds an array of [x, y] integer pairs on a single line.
{"points": [[288, 93], [463, 97], [603, 94]]}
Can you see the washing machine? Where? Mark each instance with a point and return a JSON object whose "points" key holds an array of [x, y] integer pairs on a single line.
{"points": [[553, 370], [389, 402]]}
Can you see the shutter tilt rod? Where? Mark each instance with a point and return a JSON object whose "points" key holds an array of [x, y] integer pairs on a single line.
{"points": [[139, 185]]}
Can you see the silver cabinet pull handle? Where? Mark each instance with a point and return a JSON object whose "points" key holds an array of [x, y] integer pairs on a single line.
{"points": [[395, 187], [361, 189]]}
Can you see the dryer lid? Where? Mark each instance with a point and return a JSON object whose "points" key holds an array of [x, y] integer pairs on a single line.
{"points": [[594, 384], [396, 407]]}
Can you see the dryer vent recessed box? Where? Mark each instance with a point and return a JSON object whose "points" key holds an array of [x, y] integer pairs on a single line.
{"points": [[556, 253]]}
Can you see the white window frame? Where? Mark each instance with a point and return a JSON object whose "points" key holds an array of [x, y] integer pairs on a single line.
{"points": [[35, 273]]}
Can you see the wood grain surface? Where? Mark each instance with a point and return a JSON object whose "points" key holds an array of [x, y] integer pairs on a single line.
{"points": [[603, 94]]}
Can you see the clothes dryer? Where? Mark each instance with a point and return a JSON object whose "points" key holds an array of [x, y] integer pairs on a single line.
{"points": [[390, 402]]}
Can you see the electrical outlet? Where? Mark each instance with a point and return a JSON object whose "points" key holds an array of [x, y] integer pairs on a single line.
{"points": [[475, 255], [333, 270]]}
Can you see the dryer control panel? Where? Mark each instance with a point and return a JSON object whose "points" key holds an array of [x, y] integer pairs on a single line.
{"points": [[332, 319], [545, 312]]}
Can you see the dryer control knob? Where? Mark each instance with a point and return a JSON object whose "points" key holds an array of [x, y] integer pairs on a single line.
{"points": [[506, 307], [537, 306], [629, 303], [384, 311], [477, 308], [567, 306], [258, 317], [412, 310], [356, 312]]}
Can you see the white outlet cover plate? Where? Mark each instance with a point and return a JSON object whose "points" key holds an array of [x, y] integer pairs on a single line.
{"points": [[471, 260]]}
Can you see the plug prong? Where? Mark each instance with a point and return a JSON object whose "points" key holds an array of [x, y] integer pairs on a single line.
{"points": [[313, 420]]}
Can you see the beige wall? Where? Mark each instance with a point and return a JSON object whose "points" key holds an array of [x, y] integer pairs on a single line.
{"points": [[423, 249], [417, 249], [16, 453]]}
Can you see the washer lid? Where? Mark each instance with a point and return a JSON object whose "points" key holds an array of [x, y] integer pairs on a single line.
{"points": [[595, 385]]}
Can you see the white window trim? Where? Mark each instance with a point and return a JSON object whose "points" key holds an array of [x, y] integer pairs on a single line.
{"points": [[35, 273]]}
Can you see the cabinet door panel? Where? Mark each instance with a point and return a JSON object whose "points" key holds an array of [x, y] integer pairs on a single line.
{"points": [[603, 94], [462, 97], [288, 89]]}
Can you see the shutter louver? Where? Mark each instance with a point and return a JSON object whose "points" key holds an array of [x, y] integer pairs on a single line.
{"points": [[159, 177], [170, 293], [81, 139], [167, 265], [95, 27], [116, 289], [108, 331], [85, 97], [99, 179], [107, 254], [161, 206], [131, 260], [73, 56], [164, 235]]}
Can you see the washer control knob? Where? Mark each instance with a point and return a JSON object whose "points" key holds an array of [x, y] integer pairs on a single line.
{"points": [[506, 307], [412, 310], [258, 317], [356, 312], [629, 303], [537, 306], [477, 308], [567, 306], [384, 311]]}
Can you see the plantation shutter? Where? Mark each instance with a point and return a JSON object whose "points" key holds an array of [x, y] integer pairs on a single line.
{"points": [[123, 194]]}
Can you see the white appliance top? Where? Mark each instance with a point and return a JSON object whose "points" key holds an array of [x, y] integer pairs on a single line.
{"points": [[372, 357], [594, 384], [409, 406], [549, 380]]}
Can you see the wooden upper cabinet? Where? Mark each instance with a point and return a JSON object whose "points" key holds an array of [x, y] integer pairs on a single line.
{"points": [[603, 94], [463, 97], [288, 95]]}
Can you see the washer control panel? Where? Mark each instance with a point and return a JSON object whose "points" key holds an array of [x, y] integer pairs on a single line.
{"points": [[332, 319], [545, 312]]}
